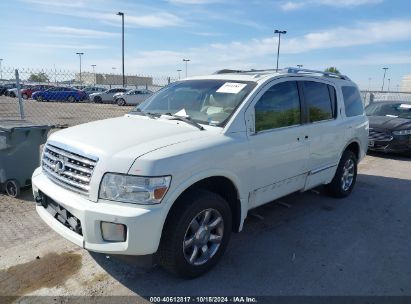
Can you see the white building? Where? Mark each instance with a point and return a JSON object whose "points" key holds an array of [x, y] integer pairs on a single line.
{"points": [[406, 83]]}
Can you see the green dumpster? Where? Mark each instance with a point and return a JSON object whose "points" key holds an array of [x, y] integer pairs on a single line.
{"points": [[19, 153]]}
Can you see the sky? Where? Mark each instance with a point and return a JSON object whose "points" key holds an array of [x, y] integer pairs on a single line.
{"points": [[359, 37]]}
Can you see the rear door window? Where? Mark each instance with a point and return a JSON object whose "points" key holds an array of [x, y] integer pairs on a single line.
{"points": [[352, 101], [320, 104]]}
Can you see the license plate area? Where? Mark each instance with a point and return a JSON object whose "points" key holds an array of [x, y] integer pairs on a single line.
{"points": [[61, 214], [371, 144]]}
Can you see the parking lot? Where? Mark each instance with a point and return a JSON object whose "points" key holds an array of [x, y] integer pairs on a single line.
{"points": [[303, 244], [59, 113]]}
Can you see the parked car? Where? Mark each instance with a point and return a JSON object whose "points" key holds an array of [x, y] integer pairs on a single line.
{"points": [[178, 174], [27, 92], [13, 91], [91, 90], [5, 87], [106, 96], [390, 126], [59, 94], [132, 97]]}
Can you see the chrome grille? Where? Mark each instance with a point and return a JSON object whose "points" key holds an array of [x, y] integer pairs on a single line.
{"points": [[68, 169], [379, 136]]}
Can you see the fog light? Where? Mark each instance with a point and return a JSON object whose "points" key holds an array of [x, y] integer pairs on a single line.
{"points": [[112, 232]]}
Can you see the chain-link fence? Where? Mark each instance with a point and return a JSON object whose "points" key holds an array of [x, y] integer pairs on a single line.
{"points": [[65, 98], [377, 96]]}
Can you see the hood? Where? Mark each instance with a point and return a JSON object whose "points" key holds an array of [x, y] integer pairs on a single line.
{"points": [[125, 138], [389, 123]]}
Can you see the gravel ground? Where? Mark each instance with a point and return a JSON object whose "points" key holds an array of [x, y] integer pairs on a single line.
{"points": [[303, 244]]}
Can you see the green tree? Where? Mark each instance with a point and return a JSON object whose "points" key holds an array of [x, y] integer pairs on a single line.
{"points": [[39, 77], [332, 70]]}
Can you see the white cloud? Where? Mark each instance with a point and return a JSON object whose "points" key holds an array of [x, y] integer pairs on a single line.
{"points": [[294, 5], [195, 2], [60, 3], [258, 53], [79, 32], [290, 6], [59, 46]]}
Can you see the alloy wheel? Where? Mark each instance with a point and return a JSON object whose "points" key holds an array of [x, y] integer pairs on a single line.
{"points": [[203, 237]]}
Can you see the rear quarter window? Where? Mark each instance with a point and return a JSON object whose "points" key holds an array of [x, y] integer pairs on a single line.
{"points": [[352, 101]]}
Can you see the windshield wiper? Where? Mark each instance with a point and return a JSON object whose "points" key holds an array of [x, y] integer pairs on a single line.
{"points": [[186, 120], [148, 114]]}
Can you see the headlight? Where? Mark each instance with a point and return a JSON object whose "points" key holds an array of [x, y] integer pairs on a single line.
{"points": [[402, 132], [134, 189]]}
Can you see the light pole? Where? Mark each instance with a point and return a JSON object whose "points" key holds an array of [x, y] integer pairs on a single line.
{"points": [[383, 79], [122, 43], [79, 55], [389, 82], [299, 66], [279, 43], [1, 70], [186, 61], [369, 83], [179, 74], [94, 73]]}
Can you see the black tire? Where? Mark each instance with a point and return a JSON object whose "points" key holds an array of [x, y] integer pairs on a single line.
{"points": [[11, 94], [39, 98], [25, 96], [12, 188], [97, 99], [121, 102], [71, 99], [339, 186], [172, 254]]}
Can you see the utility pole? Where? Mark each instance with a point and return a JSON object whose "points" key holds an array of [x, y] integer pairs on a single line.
{"points": [[279, 43], [383, 79], [179, 74], [389, 82], [1, 69], [94, 73], [122, 43], [369, 83], [79, 55], [186, 61]]}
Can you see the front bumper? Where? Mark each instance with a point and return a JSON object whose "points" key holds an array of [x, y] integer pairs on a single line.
{"points": [[144, 225], [398, 144]]}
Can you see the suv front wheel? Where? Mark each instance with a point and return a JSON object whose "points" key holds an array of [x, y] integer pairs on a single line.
{"points": [[345, 177], [196, 234]]}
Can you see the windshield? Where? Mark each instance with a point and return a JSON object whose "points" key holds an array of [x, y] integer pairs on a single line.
{"points": [[204, 101], [401, 110]]}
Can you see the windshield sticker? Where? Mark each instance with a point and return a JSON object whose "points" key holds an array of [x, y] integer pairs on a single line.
{"points": [[181, 113], [231, 87], [405, 106]]}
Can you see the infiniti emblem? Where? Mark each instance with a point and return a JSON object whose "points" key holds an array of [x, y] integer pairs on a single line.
{"points": [[59, 167]]}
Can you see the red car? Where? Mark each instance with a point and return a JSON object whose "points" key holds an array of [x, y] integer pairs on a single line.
{"points": [[26, 93]]}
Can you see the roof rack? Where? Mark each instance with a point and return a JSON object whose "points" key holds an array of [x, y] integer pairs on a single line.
{"points": [[306, 71], [289, 70]]}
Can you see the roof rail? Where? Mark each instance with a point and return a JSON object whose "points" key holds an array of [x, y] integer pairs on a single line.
{"points": [[228, 71], [291, 70]]}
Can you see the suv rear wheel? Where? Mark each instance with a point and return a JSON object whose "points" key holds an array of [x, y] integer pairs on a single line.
{"points": [[196, 234], [345, 176]]}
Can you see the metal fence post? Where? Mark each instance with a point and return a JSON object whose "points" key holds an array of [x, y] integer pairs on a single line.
{"points": [[19, 95]]}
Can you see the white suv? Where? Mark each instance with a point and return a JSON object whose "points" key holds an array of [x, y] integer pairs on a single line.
{"points": [[196, 157]]}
